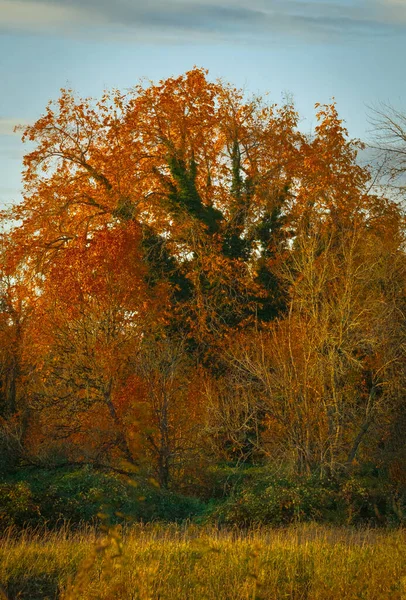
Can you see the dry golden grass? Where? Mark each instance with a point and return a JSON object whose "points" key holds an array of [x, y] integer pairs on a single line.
{"points": [[172, 562]]}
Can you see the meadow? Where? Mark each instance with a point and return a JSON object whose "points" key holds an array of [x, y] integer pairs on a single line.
{"points": [[154, 561]]}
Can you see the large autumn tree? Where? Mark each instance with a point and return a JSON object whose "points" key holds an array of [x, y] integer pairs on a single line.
{"points": [[179, 232]]}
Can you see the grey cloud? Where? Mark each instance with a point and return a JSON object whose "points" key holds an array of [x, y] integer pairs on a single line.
{"points": [[203, 20], [198, 17], [349, 25], [169, 13]]}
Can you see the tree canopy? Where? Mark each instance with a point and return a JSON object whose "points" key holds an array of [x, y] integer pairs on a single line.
{"points": [[190, 279]]}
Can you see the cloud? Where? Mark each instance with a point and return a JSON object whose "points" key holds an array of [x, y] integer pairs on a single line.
{"points": [[394, 10], [205, 20], [38, 17]]}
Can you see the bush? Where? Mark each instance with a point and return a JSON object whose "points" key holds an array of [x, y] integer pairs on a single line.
{"points": [[371, 499], [241, 496], [278, 502], [259, 497], [17, 505], [83, 495]]}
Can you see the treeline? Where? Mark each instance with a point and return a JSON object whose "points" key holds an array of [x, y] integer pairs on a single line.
{"points": [[189, 281]]}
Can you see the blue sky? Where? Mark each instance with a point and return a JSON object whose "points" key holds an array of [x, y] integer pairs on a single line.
{"points": [[353, 50]]}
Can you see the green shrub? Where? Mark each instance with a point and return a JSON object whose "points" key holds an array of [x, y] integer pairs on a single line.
{"points": [[371, 499], [241, 496], [278, 502], [17, 505], [260, 497], [81, 495]]}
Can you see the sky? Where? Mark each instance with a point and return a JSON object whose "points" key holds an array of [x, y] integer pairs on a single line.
{"points": [[352, 50]]}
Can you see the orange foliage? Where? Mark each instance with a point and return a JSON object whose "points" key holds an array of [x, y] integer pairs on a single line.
{"points": [[155, 227]]}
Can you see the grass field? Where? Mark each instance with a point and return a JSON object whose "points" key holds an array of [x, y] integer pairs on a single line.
{"points": [[175, 562]]}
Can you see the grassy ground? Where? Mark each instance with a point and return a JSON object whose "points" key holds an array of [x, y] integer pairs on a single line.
{"points": [[172, 562]]}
